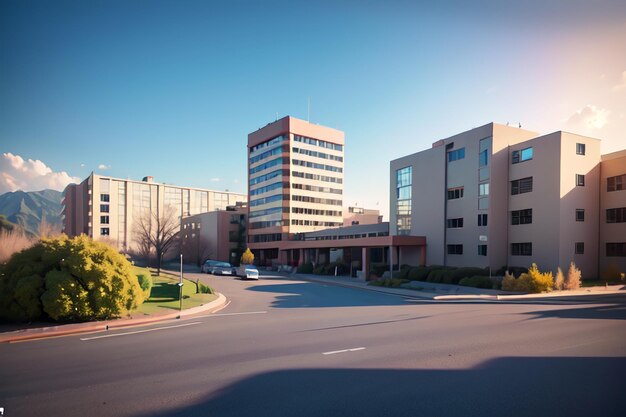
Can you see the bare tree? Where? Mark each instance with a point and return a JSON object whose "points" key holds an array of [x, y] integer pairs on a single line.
{"points": [[158, 231], [197, 248]]}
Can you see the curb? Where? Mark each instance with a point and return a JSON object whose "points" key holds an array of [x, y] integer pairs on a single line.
{"points": [[63, 330], [530, 296]]}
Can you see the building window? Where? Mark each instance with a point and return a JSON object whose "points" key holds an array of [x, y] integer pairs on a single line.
{"points": [[616, 215], [580, 149], [522, 249], [483, 158], [521, 156], [104, 231], [524, 185], [104, 198], [579, 248], [580, 180], [580, 215], [482, 220], [616, 249], [454, 193], [456, 155], [483, 189], [455, 223], [616, 183], [482, 250], [522, 216], [455, 249], [404, 186], [104, 208], [104, 219]]}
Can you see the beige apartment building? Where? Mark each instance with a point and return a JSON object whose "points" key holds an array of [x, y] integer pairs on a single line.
{"points": [[295, 182], [108, 208], [498, 195]]}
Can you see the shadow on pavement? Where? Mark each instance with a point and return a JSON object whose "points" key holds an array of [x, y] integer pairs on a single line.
{"points": [[306, 295], [513, 386]]}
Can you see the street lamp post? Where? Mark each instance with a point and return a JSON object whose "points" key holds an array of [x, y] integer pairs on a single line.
{"points": [[180, 283]]}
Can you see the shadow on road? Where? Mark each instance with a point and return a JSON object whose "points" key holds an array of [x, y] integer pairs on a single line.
{"points": [[307, 295], [513, 386]]}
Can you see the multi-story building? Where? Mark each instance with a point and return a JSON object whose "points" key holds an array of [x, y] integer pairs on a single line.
{"points": [[359, 215], [109, 208], [498, 195], [295, 182], [613, 214], [219, 235]]}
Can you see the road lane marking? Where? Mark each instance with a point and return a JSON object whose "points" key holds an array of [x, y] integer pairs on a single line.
{"points": [[139, 331], [343, 351], [231, 314]]}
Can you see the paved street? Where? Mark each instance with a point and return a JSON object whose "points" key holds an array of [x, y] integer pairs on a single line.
{"points": [[295, 348]]}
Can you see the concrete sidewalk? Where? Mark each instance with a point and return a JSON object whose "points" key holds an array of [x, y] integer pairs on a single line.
{"points": [[96, 326], [436, 291]]}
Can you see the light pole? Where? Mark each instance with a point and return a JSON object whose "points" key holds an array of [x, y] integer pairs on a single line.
{"points": [[180, 283]]}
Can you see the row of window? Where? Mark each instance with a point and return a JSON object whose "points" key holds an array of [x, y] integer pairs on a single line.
{"points": [[526, 249], [267, 188], [616, 183], [521, 186], [317, 189], [309, 164], [522, 155], [456, 155], [267, 154], [273, 210], [318, 154], [315, 212], [316, 177], [263, 225], [616, 215], [268, 176], [317, 142], [267, 144], [298, 222], [316, 200], [267, 200], [266, 165], [269, 237]]}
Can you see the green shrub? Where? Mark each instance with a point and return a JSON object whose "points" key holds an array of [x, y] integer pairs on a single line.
{"points": [[68, 280], [515, 271], [388, 282], [342, 269], [477, 281], [305, 268], [467, 272], [403, 273], [205, 289], [319, 270], [145, 282]]}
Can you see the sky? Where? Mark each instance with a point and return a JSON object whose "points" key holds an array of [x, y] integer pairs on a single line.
{"points": [[172, 88]]}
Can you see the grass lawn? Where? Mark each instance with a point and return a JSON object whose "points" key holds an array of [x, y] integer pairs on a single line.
{"points": [[165, 292]]}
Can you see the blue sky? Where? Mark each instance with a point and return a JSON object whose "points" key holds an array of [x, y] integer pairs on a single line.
{"points": [[172, 88]]}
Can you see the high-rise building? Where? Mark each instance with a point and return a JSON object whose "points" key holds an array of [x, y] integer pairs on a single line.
{"points": [[295, 182], [109, 208], [497, 195]]}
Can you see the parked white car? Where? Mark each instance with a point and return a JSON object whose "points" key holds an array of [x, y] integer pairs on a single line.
{"points": [[247, 272]]}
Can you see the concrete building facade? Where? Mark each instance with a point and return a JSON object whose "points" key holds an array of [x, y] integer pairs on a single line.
{"points": [[497, 195], [108, 208], [613, 214], [295, 182]]}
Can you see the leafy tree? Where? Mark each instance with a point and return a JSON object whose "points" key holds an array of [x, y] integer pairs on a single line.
{"points": [[247, 258], [68, 280]]}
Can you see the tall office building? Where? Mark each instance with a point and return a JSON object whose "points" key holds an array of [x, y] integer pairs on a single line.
{"points": [[497, 195], [108, 208], [295, 182]]}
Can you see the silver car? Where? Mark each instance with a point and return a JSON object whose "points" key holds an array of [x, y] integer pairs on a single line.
{"points": [[247, 272], [217, 268]]}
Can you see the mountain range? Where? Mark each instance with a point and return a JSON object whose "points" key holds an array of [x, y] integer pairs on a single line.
{"points": [[27, 209]]}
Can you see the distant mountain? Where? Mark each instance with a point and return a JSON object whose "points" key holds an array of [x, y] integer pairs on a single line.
{"points": [[27, 209]]}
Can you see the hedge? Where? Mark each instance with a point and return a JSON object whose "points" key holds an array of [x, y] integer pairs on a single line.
{"points": [[477, 281]]}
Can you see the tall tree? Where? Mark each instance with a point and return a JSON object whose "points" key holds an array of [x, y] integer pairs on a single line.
{"points": [[158, 231]]}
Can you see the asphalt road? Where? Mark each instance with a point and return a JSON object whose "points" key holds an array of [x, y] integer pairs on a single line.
{"points": [[294, 348]]}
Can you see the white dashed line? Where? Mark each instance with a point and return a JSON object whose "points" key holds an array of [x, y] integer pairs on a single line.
{"points": [[343, 351]]}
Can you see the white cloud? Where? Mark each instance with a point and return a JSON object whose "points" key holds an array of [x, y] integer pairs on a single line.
{"points": [[82, 165], [32, 175], [102, 166], [215, 179], [621, 86], [589, 117]]}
